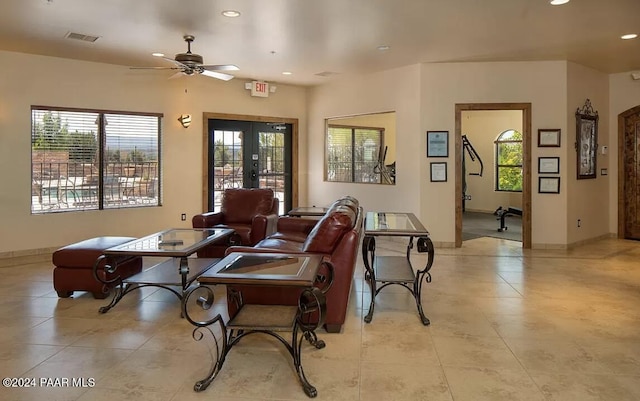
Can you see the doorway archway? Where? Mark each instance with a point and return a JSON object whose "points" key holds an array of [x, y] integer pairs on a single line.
{"points": [[526, 166]]}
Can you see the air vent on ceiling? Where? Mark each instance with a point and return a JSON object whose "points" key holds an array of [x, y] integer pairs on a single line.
{"points": [[327, 74], [83, 37]]}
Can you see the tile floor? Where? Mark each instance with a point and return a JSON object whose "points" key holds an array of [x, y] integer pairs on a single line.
{"points": [[506, 324]]}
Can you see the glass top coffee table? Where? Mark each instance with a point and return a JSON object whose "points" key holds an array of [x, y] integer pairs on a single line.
{"points": [[175, 274], [268, 269], [389, 270]]}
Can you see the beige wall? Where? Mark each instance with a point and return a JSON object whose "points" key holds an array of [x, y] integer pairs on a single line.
{"points": [[393, 90], [589, 198], [482, 128], [543, 84], [624, 94], [35, 80], [423, 97]]}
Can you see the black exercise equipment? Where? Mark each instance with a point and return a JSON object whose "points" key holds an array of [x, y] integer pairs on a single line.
{"points": [[387, 171], [502, 214], [467, 149]]}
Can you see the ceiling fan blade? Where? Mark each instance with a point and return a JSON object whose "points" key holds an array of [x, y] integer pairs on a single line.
{"points": [[221, 67], [218, 75]]}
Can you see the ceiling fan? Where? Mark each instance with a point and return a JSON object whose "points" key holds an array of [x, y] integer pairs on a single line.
{"points": [[190, 63]]}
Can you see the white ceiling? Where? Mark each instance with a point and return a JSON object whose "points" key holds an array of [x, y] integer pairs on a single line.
{"points": [[339, 36]]}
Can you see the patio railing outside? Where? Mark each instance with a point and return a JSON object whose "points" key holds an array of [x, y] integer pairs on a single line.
{"points": [[66, 186]]}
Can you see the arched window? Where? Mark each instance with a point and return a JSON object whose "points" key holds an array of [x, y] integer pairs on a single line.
{"points": [[509, 161]]}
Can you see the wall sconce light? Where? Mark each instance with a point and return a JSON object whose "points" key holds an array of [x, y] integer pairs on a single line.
{"points": [[185, 120]]}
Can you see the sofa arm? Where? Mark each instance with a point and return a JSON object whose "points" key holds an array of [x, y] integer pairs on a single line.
{"points": [[296, 225], [262, 226], [206, 220]]}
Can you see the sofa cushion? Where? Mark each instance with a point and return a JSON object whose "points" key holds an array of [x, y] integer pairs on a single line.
{"points": [[325, 235], [290, 236], [280, 244], [239, 205]]}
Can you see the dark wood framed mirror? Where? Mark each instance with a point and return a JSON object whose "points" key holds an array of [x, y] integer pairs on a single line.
{"points": [[586, 141]]}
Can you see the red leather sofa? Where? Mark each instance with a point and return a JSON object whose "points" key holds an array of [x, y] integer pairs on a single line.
{"points": [[336, 236], [251, 212]]}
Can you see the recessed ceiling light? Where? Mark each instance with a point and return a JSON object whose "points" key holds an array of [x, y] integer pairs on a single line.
{"points": [[558, 2], [231, 13], [287, 73], [157, 54], [384, 47], [629, 36]]}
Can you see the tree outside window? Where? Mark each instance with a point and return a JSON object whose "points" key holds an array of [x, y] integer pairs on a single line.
{"points": [[509, 161]]}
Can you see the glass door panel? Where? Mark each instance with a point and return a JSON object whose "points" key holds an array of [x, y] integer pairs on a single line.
{"points": [[244, 154], [274, 161]]}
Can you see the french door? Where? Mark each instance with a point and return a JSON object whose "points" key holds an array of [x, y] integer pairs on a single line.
{"points": [[249, 154]]}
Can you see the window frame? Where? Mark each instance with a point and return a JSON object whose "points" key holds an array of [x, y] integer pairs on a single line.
{"points": [[101, 189], [499, 166], [353, 128]]}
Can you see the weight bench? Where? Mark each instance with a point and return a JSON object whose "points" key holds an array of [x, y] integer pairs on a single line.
{"points": [[502, 214]]}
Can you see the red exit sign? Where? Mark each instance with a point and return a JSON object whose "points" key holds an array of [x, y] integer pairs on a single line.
{"points": [[260, 89]]}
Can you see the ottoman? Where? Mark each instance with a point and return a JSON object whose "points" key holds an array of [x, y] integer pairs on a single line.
{"points": [[74, 267]]}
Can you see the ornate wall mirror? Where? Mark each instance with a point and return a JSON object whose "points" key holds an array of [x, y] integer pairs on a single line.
{"points": [[586, 141], [361, 148]]}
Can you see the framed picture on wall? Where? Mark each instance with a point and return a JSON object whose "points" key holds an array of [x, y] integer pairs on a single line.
{"points": [[438, 172], [548, 185], [549, 138], [549, 165], [437, 143]]}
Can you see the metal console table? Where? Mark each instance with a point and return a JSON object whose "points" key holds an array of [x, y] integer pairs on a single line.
{"points": [[388, 270], [175, 274], [309, 273]]}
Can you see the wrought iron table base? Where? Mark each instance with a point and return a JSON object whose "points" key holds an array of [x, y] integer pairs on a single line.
{"points": [[122, 288], [396, 270], [225, 336]]}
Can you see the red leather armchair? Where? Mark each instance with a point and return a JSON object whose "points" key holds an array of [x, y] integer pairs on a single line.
{"points": [[251, 212], [336, 236]]}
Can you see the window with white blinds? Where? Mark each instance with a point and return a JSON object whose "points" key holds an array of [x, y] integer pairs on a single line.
{"points": [[86, 160], [353, 154]]}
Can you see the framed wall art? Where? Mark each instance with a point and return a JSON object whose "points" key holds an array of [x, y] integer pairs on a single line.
{"points": [[586, 141], [548, 165], [549, 185], [438, 172], [437, 143], [549, 138]]}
